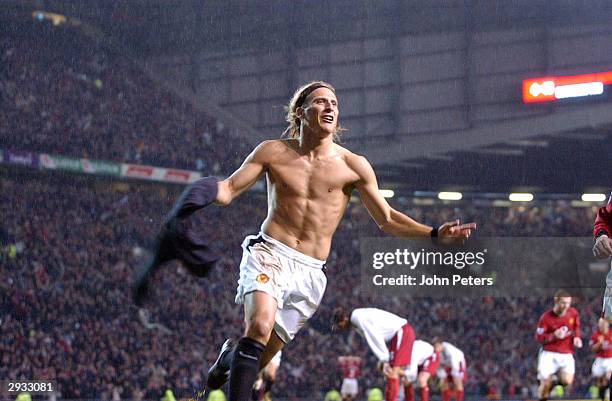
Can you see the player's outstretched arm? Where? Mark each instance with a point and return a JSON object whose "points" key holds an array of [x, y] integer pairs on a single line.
{"points": [[392, 221], [245, 176]]}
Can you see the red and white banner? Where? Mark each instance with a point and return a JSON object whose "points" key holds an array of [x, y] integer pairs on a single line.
{"points": [[151, 173]]}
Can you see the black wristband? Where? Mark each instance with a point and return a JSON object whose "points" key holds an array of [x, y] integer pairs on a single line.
{"points": [[434, 232], [600, 233]]}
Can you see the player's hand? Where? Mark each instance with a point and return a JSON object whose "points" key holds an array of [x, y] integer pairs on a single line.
{"points": [[453, 231], [577, 342], [387, 369], [603, 247]]}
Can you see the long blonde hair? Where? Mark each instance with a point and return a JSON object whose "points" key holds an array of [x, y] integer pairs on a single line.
{"points": [[297, 100]]}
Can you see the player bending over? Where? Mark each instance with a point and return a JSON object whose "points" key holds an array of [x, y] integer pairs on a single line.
{"points": [[453, 369], [390, 338], [427, 360]]}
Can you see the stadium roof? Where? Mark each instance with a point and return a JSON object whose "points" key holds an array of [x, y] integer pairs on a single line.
{"points": [[573, 156]]}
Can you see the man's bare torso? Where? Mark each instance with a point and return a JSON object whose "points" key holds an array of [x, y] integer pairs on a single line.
{"points": [[307, 195]]}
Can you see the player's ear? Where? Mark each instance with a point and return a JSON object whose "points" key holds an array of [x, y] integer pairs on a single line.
{"points": [[299, 112]]}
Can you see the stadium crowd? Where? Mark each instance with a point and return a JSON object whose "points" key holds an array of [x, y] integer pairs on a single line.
{"points": [[64, 93], [68, 313]]}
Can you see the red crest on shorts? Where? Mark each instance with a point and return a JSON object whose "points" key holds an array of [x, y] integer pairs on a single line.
{"points": [[262, 278]]}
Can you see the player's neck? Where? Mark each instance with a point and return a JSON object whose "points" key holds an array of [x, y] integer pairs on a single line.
{"points": [[562, 313], [316, 145]]}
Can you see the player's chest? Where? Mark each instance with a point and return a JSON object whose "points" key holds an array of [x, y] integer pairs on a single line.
{"points": [[568, 322], [313, 178]]}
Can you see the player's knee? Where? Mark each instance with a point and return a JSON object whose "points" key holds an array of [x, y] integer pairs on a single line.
{"points": [[260, 330], [395, 371]]}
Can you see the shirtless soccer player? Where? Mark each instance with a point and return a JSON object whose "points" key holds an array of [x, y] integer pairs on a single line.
{"points": [[282, 280]]}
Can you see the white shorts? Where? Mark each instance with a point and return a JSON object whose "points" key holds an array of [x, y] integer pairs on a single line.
{"points": [[349, 388], [420, 352], [457, 369], [602, 367], [607, 299], [551, 363], [295, 280]]}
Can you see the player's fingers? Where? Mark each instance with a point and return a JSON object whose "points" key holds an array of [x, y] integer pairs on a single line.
{"points": [[471, 226], [451, 224], [600, 251], [607, 245], [596, 252]]}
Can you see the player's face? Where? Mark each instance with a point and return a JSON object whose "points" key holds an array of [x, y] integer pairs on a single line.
{"points": [[321, 111], [603, 325], [562, 304]]}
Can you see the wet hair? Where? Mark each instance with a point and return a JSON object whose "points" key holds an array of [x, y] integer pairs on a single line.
{"points": [[297, 100]]}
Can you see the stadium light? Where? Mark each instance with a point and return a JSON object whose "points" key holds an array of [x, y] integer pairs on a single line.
{"points": [[387, 193], [520, 197], [549, 89], [450, 195], [593, 197]]}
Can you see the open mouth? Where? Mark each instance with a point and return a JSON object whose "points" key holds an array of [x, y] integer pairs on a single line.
{"points": [[327, 119]]}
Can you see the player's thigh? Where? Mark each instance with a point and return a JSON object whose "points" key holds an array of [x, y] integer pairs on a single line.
{"points": [[607, 367], [565, 378], [259, 311], [547, 365], [598, 369], [567, 368], [422, 379], [458, 382]]}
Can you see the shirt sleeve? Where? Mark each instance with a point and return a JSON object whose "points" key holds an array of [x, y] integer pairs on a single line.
{"points": [[375, 341], [577, 331], [540, 335], [603, 221]]}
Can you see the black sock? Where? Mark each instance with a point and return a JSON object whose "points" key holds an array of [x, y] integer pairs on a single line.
{"points": [[244, 368], [602, 392]]}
